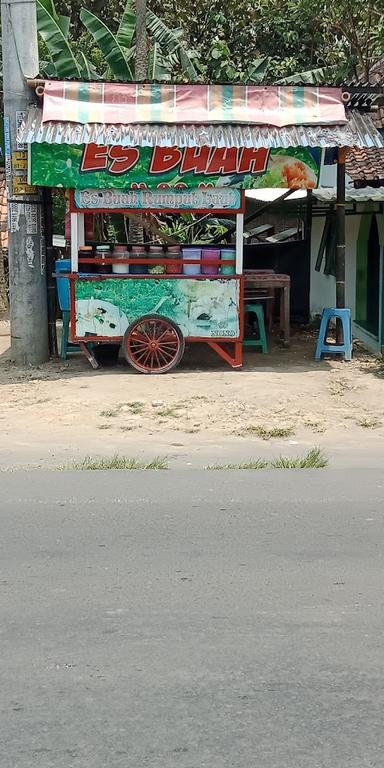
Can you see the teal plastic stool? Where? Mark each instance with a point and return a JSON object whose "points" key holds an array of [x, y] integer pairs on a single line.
{"points": [[345, 348], [261, 341]]}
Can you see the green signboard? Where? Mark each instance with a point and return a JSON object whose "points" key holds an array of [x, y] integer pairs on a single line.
{"points": [[100, 167], [201, 308]]}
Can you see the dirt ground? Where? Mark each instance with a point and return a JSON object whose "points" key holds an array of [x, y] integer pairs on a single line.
{"points": [[202, 413]]}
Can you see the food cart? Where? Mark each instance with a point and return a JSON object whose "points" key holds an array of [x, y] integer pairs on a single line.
{"points": [[143, 148], [154, 313]]}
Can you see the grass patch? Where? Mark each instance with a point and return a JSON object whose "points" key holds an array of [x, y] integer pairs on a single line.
{"points": [[118, 462], [314, 459], [170, 413], [368, 423], [267, 433], [110, 413], [136, 406], [257, 464]]}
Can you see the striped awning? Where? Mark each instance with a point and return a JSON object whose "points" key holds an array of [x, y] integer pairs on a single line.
{"points": [[358, 131], [150, 103]]}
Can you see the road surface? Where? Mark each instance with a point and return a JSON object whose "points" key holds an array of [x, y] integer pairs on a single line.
{"points": [[191, 620]]}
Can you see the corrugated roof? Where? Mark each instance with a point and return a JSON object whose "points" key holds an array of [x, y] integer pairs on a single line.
{"points": [[359, 131], [323, 194], [366, 166], [363, 195]]}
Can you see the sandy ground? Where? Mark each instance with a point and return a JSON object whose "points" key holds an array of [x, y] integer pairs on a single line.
{"points": [[202, 413]]}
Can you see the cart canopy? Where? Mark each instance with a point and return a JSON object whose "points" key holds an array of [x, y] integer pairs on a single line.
{"points": [[149, 115]]}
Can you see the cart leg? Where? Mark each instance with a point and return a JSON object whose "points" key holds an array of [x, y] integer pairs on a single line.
{"points": [[89, 355], [236, 360]]}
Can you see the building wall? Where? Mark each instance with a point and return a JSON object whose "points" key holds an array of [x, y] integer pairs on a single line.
{"points": [[323, 288]]}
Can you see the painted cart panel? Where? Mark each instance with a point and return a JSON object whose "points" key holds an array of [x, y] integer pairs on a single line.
{"points": [[202, 308]]}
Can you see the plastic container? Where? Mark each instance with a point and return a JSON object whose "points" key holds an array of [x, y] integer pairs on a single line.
{"points": [[227, 254], [62, 284], [191, 253], [157, 254], [86, 252], [173, 252], [103, 250], [138, 252], [206, 255], [120, 252]]}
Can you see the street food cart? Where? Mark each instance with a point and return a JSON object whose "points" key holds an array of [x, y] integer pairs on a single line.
{"points": [[140, 149]]}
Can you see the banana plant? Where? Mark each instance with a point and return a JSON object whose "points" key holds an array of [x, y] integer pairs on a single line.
{"points": [[166, 49]]}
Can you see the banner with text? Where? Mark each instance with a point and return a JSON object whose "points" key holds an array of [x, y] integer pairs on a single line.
{"points": [[101, 167]]}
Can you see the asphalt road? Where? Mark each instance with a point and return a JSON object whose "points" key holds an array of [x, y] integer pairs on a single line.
{"points": [[178, 620]]}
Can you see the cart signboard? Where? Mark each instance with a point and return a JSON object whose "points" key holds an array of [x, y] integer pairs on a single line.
{"points": [[93, 166], [201, 308], [220, 199]]}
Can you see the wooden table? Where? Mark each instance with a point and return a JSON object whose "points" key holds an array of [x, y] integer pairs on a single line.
{"points": [[261, 280]]}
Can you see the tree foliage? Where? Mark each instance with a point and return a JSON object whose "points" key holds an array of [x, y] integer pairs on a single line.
{"points": [[324, 40], [236, 41]]}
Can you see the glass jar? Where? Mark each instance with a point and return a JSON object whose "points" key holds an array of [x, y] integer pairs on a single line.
{"points": [[86, 252], [157, 254], [173, 252], [138, 252], [120, 252], [103, 251]]}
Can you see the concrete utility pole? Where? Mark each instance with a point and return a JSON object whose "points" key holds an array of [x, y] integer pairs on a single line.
{"points": [[27, 267]]}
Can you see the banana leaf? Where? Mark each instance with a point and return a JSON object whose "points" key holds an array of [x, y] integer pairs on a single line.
{"points": [[109, 46], [257, 69], [127, 26], [88, 71], [158, 66], [62, 21], [170, 43], [317, 76], [47, 69], [58, 47]]}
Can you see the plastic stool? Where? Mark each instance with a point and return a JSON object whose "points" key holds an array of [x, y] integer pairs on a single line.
{"points": [[257, 310], [335, 349]]}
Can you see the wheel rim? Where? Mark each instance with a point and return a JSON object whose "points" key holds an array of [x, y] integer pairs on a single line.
{"points": [[153, 345]]}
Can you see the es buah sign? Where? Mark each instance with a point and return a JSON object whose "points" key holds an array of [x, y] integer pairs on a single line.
{"points": [[94, 166]]}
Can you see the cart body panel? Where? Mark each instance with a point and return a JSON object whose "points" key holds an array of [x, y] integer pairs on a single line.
{"points": [[203, 308]]}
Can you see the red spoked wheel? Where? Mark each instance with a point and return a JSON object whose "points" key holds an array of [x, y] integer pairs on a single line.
{"points": [[153, 344]]}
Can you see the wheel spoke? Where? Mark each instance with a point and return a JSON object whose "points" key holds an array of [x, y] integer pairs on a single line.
{"points": [[166, 353], [140, 355], [139, 337], [139, 344]]}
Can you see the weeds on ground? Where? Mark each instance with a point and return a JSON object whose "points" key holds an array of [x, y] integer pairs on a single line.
{"points": [[110, 413], [368, 423], [256, 464], [267, 433], [314, 459], [170, 413], [118, 462], [136, 406]]}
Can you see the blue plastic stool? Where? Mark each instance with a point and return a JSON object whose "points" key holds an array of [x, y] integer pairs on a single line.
{"points": [[261, 341], [335, 349]]}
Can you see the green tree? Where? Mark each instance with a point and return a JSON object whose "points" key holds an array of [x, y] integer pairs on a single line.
{"points": [[109, 53]]}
